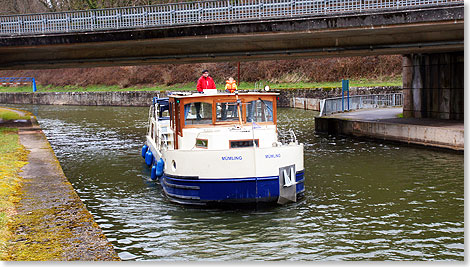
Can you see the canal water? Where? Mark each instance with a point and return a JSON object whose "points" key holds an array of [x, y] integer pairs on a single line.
{"points": [[364, 200]]}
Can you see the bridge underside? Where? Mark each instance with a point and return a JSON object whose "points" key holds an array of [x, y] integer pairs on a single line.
{"points": [[392, 32]]}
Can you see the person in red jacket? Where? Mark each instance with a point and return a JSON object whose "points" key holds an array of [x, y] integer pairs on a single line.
{"points": [[204, 82]]}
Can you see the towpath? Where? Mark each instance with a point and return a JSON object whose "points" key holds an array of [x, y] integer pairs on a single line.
{"points": [[52, 223]]}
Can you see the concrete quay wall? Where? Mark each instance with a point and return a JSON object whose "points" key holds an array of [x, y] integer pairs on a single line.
{"points": [[442, 137], [297, 98]]}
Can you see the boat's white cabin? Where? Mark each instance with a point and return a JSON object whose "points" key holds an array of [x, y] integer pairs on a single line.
{"points": [[215, 122]]}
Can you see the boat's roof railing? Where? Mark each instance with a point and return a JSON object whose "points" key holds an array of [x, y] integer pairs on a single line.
{"points": [[220, 94], [160, 100]]}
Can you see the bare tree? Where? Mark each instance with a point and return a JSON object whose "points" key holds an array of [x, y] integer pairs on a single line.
{"points": [[10, 7]]}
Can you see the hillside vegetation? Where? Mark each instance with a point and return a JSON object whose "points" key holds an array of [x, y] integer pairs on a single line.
{"points": [[313, 70]]}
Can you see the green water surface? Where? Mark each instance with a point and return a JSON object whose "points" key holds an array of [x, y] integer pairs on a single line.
{"points": [[364, 200]]}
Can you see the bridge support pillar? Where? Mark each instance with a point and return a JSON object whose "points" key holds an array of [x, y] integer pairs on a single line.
{"points": [[433, 86]]}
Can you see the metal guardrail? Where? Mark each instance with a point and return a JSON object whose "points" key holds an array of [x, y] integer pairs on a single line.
{"points": [[18, 81], [334, 105], [191, 13]]}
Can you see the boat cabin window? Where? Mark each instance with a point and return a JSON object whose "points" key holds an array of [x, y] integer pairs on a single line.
{"points": [[197, 113], [227, 111], [243, 143], [259, 111], [201, 143]]}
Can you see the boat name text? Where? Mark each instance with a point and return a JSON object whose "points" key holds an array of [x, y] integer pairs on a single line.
{"points": [[232, 158], [272, 156]]}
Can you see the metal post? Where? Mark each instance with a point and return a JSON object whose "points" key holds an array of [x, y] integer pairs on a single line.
{"points": [[146, 15], [229, 11], [67, 22], [119, 20], [344, 87], [342, 99], [43, 24], [92, 15], [34, 85], [238, 78], [260, 9], [199, 8], [19, 25], [292, 10]]}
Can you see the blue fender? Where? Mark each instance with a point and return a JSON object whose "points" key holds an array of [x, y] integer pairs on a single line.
{"points": [[149, 158], [144, 150], [153, 176], [159, 168]]}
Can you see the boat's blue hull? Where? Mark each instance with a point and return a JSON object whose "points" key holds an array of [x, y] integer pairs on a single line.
{"points": [[191, 190]]}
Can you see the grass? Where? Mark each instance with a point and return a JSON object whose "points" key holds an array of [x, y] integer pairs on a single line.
{"points": [[40, 243], [6, 115], [13, 156], [192, 86]]}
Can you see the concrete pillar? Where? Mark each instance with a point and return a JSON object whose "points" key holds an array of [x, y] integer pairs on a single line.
{"points": [[433, 86], [407, 76]]}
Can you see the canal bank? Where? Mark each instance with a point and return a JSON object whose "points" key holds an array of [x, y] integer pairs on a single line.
{"points": [[385, 124], [51, 222], [298, 98]]}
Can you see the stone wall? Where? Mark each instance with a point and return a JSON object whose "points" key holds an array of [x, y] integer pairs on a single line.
{"points": [[131, 98], [298, 98], [433, 86]]}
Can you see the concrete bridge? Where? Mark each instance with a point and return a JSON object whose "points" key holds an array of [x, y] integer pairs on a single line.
{"points": [[349, 28], [429, 33]]}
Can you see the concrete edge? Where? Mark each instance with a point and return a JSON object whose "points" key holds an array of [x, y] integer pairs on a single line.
{"points": [[36, 129], [438, 137]]}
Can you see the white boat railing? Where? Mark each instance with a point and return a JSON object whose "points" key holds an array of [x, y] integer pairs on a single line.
{"points": [[339, 104], [286, 137]]}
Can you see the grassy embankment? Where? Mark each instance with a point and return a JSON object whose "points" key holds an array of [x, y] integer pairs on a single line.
{"points": [[13, 156], [191, 86]]}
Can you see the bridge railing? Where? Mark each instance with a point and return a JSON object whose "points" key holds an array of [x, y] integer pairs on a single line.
{"points": [[338, 104], [190, 13]]}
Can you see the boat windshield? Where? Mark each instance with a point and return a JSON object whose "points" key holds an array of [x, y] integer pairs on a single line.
{"points": [[197, 113], [259, 111], [222, 110], [227, 111]]}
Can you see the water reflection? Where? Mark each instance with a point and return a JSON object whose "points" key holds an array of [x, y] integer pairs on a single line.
{"points": [[364, 200]]}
